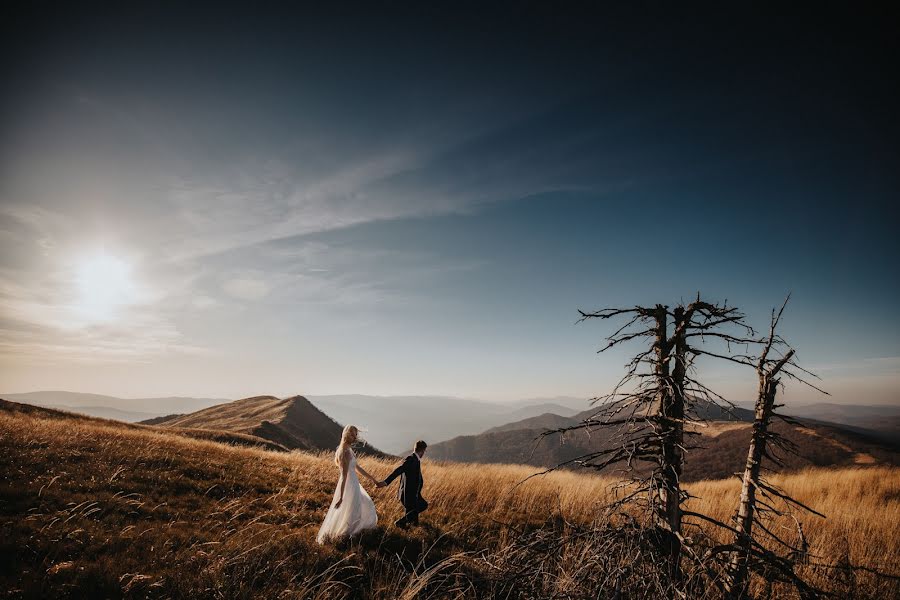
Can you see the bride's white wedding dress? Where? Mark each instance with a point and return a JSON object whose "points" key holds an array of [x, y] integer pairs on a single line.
{"points": [[357, 511]]}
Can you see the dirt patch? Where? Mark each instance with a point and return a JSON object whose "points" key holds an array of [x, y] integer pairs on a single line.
{"points": [[716, 428], [863, 458]]}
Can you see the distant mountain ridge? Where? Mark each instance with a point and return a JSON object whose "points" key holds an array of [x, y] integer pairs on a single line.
{"points": [[722, 452], [705, 410], [103, 412], [130, 410], [393, 423], [884, 420], [540, 422]]}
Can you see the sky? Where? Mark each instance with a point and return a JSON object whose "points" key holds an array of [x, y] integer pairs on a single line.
{"points": [[227, 202]]}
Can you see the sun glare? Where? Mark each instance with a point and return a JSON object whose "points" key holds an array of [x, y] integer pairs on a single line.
{"points": [[105, 285]]}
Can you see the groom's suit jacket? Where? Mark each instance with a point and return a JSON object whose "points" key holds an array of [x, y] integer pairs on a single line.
{"points": [[410, 473]]}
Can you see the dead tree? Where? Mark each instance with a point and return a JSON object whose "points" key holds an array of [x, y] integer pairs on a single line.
{"points": [[665, 395], [757, 495]]}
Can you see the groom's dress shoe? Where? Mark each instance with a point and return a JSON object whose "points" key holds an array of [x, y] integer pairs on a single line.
{"points": [[402, 523]]}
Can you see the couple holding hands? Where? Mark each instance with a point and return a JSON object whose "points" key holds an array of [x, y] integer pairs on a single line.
{"points": [[352, 509]]}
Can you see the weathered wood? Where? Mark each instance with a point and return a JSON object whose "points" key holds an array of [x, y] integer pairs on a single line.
{"points": [[672, 412], [652, 417], [744, 547], [736, 580]]}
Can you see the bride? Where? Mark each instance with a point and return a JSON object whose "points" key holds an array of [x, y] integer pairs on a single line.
{"points": [[352, 510]]}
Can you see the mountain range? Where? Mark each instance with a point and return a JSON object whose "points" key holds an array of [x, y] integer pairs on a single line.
{"points": [[720, 445], [297, 423], [394, 423], [391, 423]]}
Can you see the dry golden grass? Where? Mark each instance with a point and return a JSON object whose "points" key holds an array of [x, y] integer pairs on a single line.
{"points": [[862, 524], [243, 416], [92, 507]]}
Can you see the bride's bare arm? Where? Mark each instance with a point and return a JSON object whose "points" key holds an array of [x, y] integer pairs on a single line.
{"points": [[345, 465], [364, 473]]}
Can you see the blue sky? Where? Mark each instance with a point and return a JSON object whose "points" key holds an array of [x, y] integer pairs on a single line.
{"points": [[411, 203]]}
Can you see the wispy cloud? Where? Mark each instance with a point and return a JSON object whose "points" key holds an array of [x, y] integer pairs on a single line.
{"points": [[204, 226], [251, 205], [244, 206], [246, 289]]}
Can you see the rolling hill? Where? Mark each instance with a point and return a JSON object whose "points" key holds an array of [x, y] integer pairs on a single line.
{"points": [[722, 452], [291, 422], [198, 433]]}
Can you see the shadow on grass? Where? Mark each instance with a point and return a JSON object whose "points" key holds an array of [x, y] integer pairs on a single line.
{"points": [[414, 548]]}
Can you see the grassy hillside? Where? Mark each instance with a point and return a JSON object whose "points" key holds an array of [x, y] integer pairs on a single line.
{"points": [[94, 508], [214, 435], [291, 422]]}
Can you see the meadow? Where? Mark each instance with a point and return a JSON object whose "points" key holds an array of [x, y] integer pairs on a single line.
{"points": [[91, 508]]}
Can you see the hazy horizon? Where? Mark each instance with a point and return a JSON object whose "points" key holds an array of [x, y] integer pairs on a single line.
{"points": [[517, 400], [400, 202]]}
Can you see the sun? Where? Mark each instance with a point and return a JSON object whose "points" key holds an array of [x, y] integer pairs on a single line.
{"points": [[104, 285]]}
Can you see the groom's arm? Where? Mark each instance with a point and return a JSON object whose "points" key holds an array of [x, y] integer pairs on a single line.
{"points": [[398, 471]]}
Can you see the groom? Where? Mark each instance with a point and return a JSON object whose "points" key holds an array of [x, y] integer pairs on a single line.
{"points": [[410, 473]]}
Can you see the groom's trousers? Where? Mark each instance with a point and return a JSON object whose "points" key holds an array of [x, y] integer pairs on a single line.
{"points": [[412, 512]]}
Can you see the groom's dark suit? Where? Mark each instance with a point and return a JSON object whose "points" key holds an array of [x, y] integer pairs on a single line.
{"points": [[410, 494]]}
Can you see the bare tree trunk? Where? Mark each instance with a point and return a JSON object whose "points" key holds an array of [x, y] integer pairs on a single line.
{"points": [[672, 413], [736, 579]]}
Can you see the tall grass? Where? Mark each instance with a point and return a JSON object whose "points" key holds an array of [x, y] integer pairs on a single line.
{"points": [[92, 508], [861, 528]]}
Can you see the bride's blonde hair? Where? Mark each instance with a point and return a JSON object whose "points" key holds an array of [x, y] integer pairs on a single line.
{"points": [[345, 442]]}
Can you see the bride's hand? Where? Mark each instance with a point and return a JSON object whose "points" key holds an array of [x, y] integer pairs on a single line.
{"points": [[338, 503]]}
